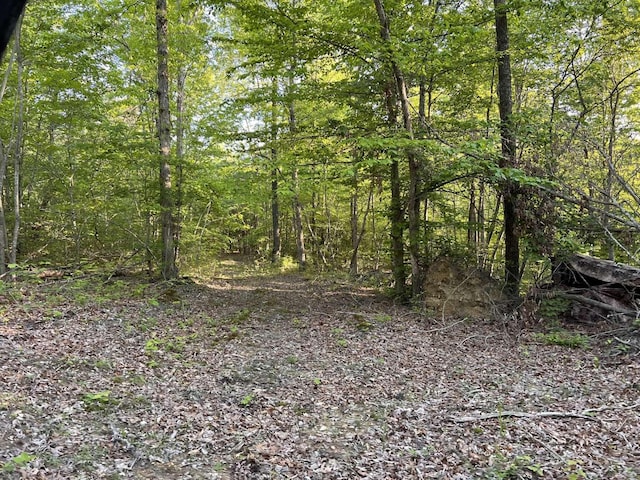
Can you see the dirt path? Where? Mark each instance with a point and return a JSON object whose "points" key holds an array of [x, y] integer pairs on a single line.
{"points": [[293, 377]]}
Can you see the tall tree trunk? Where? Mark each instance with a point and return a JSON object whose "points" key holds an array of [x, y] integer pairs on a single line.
{"points": [[508, 158], [298, 226], [353, 265], [276, 250], [614, 100], [414, 164], [169, 267], [357, 233], [396, 212], [301, 252], [4, 158], [3, 223], [17, 152], [180, 109], [472, 219]]}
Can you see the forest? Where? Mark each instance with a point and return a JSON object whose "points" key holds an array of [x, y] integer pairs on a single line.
{"points": [[335, 135], [320, 239]]}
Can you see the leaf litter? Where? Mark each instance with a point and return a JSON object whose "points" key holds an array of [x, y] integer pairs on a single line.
{"points": [[293, 377]]}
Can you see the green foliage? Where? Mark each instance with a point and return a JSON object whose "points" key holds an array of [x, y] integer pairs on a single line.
{"points": [[563, 338], [382, 317], [97, 401], [365, 326], [17, 462], [240, 317], [519, 468], [292, 360], [574, 470], [174, 345], [247, 400], [89, 153], [553, 308]]}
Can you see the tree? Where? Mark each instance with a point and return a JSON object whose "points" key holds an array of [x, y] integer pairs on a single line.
{"points": [[169, 267], [508, 146]]}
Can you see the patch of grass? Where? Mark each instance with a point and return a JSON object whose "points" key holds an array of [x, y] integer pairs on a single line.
{"points": [[87, 456], [365, 326], [176, 345], [234, 332], [54, 314], [247, 400], [563, 338], [240, 316], [102, 364], [521, 467], [147, 324], [574, 470], [211, 322], [17, 462], [97, 401], [219, 467], [186, 323]]}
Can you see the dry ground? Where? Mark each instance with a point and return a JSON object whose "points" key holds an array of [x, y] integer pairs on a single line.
{"points": [[290, 377]]}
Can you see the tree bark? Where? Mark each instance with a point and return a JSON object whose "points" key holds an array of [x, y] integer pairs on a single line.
{"points": [[396, 212], [508, 158], [298, 227], [169, 267], [17, 152], [415, 186], [357, 233], [301, 252], [353, 264], [180, 109], [3, 223], [276, 250]]}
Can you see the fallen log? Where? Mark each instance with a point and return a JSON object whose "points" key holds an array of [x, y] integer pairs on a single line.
{"points": [[582, 270], [597, 289]]}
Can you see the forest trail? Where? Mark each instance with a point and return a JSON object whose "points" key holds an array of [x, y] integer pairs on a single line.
{"points": [[290, 376]]}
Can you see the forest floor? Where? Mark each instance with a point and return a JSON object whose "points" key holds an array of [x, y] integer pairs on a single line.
{"points": [[294, 377]]}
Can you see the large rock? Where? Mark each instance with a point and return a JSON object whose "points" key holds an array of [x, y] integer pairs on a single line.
{"points": [[453, 290]]}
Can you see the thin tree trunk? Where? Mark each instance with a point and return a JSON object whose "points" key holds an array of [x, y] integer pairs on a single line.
{"points": [[180, 109], [3, 223], [169, 267], [614, 100], [276, 250], [472, 218], [298, 227], [396, 212], [301, 253], [353, 264], [17, 155], [508, 158], [414, 164], [358, 235]]}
